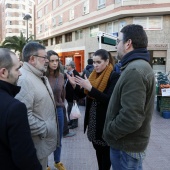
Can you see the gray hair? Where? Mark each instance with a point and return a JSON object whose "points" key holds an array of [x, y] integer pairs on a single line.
{"points": [[5, 58], [30, 49]]}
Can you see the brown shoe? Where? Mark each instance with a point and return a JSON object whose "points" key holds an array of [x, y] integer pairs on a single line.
{"points": [[48, 168], [59, 166]]}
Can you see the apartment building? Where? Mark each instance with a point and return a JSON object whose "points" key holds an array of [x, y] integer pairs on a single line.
{"points": [[70, 27], [12, 14]]}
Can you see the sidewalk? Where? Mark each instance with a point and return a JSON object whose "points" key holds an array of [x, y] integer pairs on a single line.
{"points": [[78, 153]]}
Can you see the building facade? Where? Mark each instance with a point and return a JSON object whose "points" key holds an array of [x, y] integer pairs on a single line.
{"points": [[70, 27], [12, 14]]}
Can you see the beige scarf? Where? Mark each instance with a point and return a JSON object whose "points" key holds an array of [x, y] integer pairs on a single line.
{"points": [[99, 81]]}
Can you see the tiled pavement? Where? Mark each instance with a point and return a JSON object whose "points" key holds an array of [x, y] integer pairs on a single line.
{"points": [[78, 153]]}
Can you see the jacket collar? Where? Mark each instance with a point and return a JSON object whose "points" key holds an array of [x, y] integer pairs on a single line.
{"points": [[32, 69], [13, 90], [141, 53]]}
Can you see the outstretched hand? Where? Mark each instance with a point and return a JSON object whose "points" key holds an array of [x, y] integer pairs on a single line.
{"points": [[71, 79], [83, 83]]}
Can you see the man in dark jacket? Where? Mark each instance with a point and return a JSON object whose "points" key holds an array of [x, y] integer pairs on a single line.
{"points": [[70, 94], [89, 68], [127, 124], [17, 151]]}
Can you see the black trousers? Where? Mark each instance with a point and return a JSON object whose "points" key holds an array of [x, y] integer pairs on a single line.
{"points": [[103, 156]]}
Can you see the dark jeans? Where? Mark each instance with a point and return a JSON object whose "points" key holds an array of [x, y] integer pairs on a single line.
{"points": [[103, 156], [57, 152], [73, 122]]}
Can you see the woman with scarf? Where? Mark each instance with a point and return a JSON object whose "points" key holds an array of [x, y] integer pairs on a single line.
{"points": [[97, 89]]}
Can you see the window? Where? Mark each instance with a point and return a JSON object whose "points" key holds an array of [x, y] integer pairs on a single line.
{"points": [[86, 7], [116, 26], [46, 26], [40, 28], [118, 1], [60, 19], [71, 14], [39, 1], [8, 5], [109, 27], [54, 4], [94, 30], [101, 3], [9, 30], [45, 42], [54, 21], [68, 37], [149, 23], [46, 9], [9, 22], [60, 2], [51, 41], [39, 14], [8, 14], [78, 34], [58, 40]]}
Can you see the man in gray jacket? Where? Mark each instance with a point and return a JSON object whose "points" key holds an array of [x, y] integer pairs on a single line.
{"points": [[127, 125], [37, 95]]}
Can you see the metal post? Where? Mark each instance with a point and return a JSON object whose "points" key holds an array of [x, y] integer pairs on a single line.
{"points": [[27, 17], [27, 30]]}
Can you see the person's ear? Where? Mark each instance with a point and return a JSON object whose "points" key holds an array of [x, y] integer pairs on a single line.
{"points": [[128, 44], [3, 73], [32, 60]]}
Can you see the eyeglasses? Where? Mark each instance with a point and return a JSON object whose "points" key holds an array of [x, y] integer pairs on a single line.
{"points": [[45, 57], [52, 61], [118, 41]]}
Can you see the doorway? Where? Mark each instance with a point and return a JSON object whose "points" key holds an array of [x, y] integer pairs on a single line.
{"points": [[77, 60]]}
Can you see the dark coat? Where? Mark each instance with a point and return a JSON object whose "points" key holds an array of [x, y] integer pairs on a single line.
{"points": [[70, 94], [102, 99], [131, 105], [17, 150], [87, 71]]}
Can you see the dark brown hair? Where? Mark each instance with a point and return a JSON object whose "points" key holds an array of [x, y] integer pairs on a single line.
{"points": [[57, 71]]}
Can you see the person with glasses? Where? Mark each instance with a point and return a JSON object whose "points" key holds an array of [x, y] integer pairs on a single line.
{"points": [[71, 97], [127, 126], [38, 97]]}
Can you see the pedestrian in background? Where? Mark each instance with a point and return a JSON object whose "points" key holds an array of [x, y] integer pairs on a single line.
{"points": [[89, 68], [71, 97], [127, 126], [66, 132], [17, 151], [98, 89], [37, 95], [56, 80]]}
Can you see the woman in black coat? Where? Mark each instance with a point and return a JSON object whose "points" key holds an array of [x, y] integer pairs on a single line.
{"points": [[97, 89]]}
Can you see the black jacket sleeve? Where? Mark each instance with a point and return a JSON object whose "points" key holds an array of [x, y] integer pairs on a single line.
{"points": [[20, 141]]}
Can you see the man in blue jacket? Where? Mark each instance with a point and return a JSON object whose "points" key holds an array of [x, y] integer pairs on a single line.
{"points": [[127, 126], [17, 151]]}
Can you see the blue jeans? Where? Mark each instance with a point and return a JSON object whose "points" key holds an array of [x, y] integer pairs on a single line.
{"points": [[57, 152], [120, 160]]}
